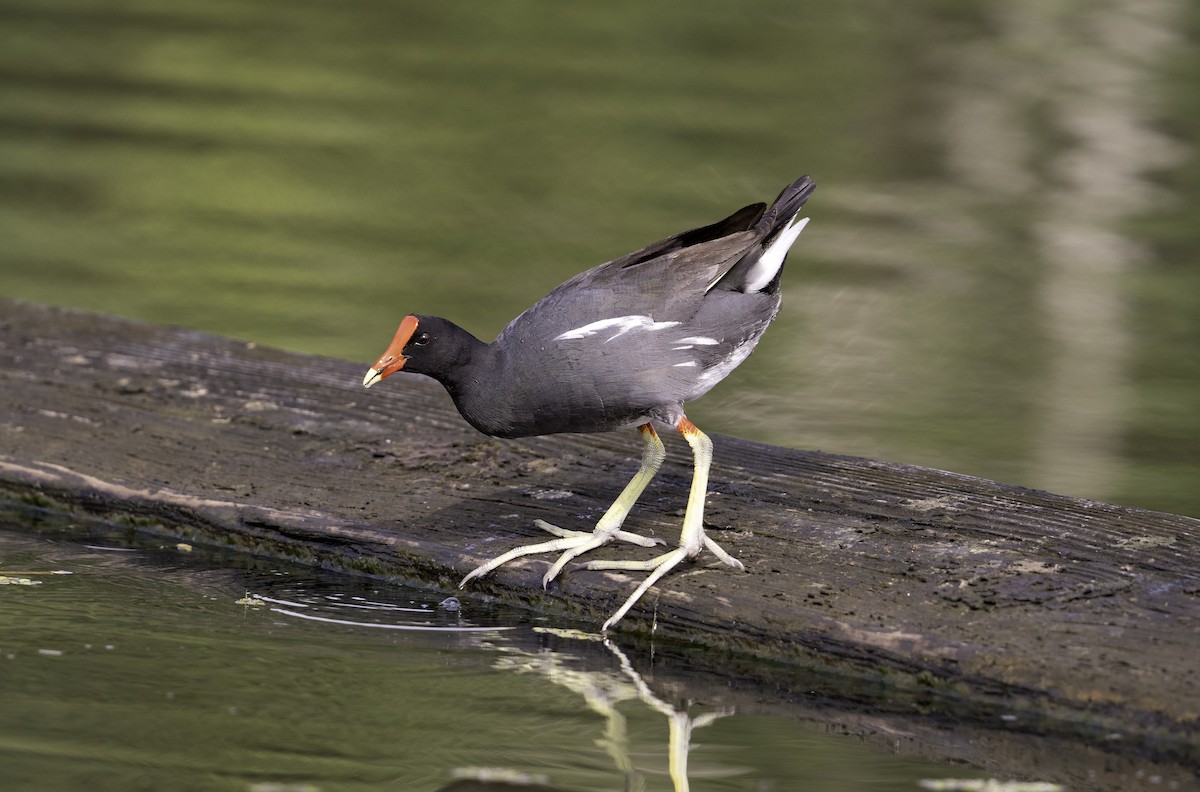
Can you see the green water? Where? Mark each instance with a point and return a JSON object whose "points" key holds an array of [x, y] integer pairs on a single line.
{"points": [[141, 670], [1000, 277]]}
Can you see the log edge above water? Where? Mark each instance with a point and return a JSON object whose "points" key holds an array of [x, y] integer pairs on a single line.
{"points": [[973, 597]]}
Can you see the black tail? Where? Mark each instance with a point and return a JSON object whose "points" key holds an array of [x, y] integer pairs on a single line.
{"points": [[755, 216], [760, 268], [786, 206]]}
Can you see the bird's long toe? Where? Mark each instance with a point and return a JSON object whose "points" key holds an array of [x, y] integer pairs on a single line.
{"points": [[722, 554], [561, 532], [569, 543], [661, 566], [658, 567]]}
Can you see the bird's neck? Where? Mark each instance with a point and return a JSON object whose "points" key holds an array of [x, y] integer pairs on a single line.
{"points": [[479, 385]]}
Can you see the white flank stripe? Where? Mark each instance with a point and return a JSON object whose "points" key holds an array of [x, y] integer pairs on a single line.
{"points": [[622, 324], [701, 340], [768, 265], [689, 363]]}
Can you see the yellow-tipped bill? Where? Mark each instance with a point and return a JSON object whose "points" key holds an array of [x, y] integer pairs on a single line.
{"points": [[393, 359]]}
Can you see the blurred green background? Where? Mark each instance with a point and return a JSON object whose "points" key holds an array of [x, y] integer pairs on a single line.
{"points": [[1000, 277]]}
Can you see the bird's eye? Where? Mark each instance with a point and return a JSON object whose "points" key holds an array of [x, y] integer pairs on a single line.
{"points": [[421, 339]]}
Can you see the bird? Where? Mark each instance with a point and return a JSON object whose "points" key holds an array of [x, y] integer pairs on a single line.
{"points": [[620, 346]]}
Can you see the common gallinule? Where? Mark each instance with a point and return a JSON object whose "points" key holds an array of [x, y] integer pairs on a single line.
{"points": [[619, 346]]}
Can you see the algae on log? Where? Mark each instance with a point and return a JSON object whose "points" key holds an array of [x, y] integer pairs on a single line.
{"points": [[972, 597]]}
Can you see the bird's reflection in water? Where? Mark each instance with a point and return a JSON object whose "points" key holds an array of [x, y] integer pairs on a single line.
{"points": [[603, 691]]}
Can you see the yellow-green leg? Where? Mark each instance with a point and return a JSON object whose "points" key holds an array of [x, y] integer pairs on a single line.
{"points": [[574, 543], [691, 539]]}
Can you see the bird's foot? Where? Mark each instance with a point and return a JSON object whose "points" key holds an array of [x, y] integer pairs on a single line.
{"points": [[658, 567], [570, 543]]}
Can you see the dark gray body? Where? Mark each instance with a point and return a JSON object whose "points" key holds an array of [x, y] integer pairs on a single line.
{"points": [[622, 343]]}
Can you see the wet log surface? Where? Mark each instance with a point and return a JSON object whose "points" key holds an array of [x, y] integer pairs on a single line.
{"points": [[975, 602]]}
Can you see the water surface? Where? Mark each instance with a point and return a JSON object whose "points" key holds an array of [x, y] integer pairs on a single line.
{"points": [[152, 667]]}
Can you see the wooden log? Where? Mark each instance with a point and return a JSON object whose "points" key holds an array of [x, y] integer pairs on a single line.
{"points": [[920, 588]]}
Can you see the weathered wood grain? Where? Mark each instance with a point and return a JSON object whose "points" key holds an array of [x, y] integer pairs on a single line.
{"points": [[921, 588]]}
